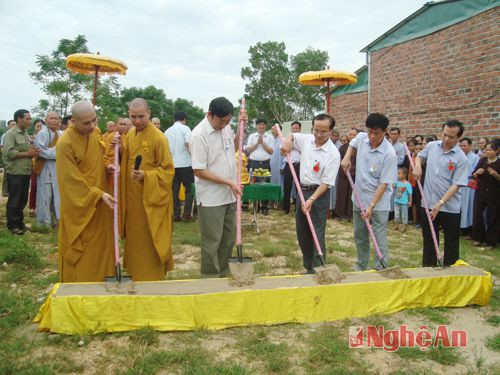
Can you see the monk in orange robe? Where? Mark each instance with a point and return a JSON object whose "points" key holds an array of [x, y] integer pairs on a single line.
{"points": [[85, 243], [146, 202]]}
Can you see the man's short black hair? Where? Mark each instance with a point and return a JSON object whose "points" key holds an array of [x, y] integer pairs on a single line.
{"points": [[455, 124], [66, 119], [395, 129], [20, 114], [260, 121], [466, 139], [377, 121], [38, 120], [8, 122], [220, 107], [494, 144], [296, 123], [325, 116], [180, 116]]}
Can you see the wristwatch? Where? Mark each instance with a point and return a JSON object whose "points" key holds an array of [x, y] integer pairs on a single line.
{"points": [[442, 202]]}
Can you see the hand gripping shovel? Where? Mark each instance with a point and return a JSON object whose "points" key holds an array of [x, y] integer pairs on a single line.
{"points": [[391, 272], [326, 274], [241, 267], [426, 207], [119, 283]]}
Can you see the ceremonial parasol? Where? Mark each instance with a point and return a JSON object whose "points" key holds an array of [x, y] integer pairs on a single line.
{"points": [[89, 63], [328, 76]]}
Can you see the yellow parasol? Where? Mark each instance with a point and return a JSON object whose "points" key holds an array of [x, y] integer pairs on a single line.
{"points": [[88, 63], [328, 76]]}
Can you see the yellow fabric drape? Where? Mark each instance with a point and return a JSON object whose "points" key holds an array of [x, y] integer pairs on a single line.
{"points": [[147, 207], [85, 231], [71, 314]]}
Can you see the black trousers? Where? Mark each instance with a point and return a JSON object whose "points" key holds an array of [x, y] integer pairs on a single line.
{"points": [[288, 184], [319, 211], [185, 176], [490, 232], [451, 228], [18, 186], [266, 164]]}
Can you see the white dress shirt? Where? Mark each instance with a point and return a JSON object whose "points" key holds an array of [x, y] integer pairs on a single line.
{"points": [[178, 136], [259, 154]]}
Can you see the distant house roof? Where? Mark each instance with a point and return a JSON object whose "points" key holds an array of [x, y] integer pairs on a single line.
{"points": [[360, 86], [432, 17]]}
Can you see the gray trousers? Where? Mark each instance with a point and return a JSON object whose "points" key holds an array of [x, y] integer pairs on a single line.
{"points": [[218, 231], [319, 211], [362, 238]]}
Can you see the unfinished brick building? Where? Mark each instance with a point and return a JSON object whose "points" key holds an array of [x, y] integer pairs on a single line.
{"points": [[439, 63]]}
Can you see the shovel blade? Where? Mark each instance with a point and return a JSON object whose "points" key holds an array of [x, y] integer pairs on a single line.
{"points": [[125, 286], [242, 272], [329, 274]]}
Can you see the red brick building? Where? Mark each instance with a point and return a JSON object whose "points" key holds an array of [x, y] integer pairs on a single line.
{"points": [[441, 62]]}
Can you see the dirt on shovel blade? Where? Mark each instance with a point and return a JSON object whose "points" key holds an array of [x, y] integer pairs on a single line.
{"points": [[242, 273], [330, 274], [126, 286], [393, 273]]}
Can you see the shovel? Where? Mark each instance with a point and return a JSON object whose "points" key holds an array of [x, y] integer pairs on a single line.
{"points": [[426, 207], [391, 272], [118, 284], [326, 274], [241, 267]]}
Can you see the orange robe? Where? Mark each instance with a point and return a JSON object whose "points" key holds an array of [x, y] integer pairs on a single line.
{"points": [[147, 206], [85, 243]]}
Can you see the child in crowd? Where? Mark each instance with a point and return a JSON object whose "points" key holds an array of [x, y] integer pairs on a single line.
{"points": [[402, 199]]}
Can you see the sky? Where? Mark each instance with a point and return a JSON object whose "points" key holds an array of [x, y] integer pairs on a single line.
{"points": [[190, 49]]}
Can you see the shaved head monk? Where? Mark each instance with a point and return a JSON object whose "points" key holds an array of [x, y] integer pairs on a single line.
{"points": [[86, 230], [146, 197]]}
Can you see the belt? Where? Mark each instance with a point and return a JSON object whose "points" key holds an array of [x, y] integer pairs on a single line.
{"points": [[309, 187]]}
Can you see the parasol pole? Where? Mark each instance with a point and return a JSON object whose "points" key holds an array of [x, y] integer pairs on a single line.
{"points": [[94, 98], [328, 96]]}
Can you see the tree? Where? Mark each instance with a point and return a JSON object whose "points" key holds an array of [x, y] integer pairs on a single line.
{"points": [[194, 113], [269, 90], [308, 99], [159, 105], [110, 104], [273, 91], [61, 86]]}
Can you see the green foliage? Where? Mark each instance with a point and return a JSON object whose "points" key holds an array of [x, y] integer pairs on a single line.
{"points": [[272, 90], [61, 86], [194, 113], [14, 250], [493, 342]]}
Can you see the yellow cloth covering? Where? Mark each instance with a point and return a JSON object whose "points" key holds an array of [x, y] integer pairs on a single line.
{"points": [[68, 313], [86, 228], [147, 207]]}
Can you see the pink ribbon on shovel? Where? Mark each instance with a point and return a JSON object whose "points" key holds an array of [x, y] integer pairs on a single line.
{"points": [[302, 200], [426, 206], [367, 221], [241, 128], [115, 205]]}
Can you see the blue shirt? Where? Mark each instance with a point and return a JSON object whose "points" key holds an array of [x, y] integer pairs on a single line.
{"points": [[403, 192], [443, 170], [374, 167]]}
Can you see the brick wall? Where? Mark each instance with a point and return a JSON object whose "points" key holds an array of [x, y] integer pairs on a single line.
{"points": [[349, 111], [453, 73]]}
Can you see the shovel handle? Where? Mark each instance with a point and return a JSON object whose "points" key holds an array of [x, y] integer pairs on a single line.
{"points": [[115, 205], [241, 128], [367, 222], [301, 196], [426, 208]]}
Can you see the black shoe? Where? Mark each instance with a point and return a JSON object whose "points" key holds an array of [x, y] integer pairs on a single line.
{"points": [[17, 232], [265, 212], [286, 212]]}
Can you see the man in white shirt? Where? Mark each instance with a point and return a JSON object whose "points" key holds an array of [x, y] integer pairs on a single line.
{"points": [[212, 150], [178, 136], [260, 147], [287, 173], [319, 165]]}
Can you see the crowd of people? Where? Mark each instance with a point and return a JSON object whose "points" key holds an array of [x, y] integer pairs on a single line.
{"points": [[70, 165]]}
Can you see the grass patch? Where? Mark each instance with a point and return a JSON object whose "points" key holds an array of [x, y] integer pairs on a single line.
{"points": [[145, 336], [191, 362], [15, 250], [445, 356], [275, 356], [411, 353], [15, 309], [494, 320], [269, 249], [493, 342], [435, 314]]}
